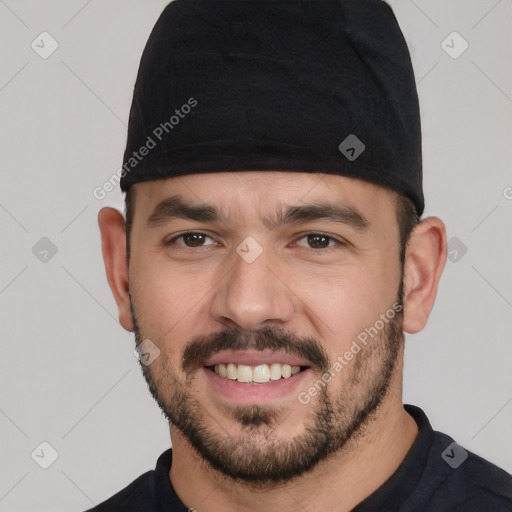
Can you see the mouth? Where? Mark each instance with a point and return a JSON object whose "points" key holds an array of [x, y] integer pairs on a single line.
{"points": [[255, 377], [258, 374]]}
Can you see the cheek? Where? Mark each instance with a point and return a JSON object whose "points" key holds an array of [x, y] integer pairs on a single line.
{"points": [[172, 301], [343, 304], [164, 298]]}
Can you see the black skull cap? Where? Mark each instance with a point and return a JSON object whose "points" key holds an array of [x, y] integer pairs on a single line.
{"points": [[320, 86]]}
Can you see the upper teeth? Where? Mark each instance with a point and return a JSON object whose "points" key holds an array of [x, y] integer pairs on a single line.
{"points": [[260, 373]]}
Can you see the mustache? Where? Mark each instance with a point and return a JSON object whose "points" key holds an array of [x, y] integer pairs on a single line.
{"points": [[201, 348]]}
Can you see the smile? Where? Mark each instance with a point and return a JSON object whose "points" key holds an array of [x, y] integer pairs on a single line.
{"points": [[258, 374], [255, 377]]}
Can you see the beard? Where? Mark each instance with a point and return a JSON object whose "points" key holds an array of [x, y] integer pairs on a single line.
{"points": [[254, 455]]}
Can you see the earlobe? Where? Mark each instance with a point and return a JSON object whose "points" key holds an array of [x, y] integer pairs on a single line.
{"points": [[424, 264], [113, 246]]}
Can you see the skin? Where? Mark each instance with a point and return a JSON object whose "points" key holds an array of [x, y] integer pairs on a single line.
{"points": [[178, 293]]}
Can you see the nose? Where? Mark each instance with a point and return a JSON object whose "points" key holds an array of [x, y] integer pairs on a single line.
{"points": [[253, 295]]}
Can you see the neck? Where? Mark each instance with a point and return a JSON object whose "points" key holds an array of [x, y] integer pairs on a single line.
{"points": [[340, 483]]}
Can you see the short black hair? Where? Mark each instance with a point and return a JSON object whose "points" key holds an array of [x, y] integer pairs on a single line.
{"points": [[129, 210]]}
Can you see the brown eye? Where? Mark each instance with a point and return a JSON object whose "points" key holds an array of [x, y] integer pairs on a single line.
{"points": [[193, 239], [190, 239], [319, 241]]}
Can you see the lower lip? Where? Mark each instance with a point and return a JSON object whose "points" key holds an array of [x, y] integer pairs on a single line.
{"points": [[255, 393]]}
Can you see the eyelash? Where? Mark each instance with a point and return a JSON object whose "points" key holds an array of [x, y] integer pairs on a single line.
{"points": [[312, 233]]}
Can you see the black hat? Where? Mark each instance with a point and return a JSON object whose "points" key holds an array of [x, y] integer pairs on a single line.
{"points": [[323, 86]]}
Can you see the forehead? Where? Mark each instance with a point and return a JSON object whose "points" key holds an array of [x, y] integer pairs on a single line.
{"points": [[240, 195]]}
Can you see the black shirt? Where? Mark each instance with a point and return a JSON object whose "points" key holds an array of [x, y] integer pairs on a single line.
{"points": [[437, 475]]}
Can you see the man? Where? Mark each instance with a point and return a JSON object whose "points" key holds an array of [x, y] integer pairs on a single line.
{"points": [[272, 259]]}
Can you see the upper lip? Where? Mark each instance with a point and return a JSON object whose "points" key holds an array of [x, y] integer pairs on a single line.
{"points": [[255, 358]]}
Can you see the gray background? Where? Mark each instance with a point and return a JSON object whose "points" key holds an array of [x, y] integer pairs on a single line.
{"points": [[68, 374]]}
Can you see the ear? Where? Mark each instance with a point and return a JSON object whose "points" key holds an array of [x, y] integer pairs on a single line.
{"points": [[424, 263], [113, 247]]}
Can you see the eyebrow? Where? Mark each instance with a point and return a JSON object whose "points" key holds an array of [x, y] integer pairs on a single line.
{"points": [[176, 207]]}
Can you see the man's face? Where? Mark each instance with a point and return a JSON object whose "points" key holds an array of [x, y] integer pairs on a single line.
{"points": [[247, 298]]}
